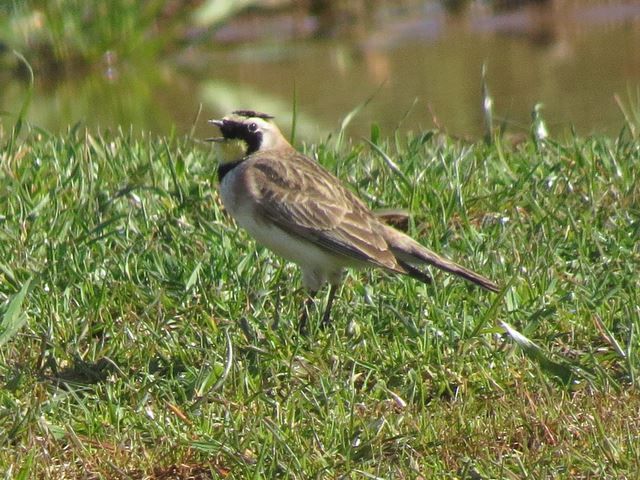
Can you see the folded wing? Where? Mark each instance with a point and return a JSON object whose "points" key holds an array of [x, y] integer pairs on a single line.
{"points": [[311, 203]]}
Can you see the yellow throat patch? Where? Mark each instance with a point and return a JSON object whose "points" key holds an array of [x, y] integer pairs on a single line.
{"points": [[229, 151]]}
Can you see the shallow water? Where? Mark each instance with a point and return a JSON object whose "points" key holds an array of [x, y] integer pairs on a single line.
{"points": [[418, 69]]}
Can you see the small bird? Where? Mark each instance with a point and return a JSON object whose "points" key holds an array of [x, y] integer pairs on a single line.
{"points": [[295, 207]]}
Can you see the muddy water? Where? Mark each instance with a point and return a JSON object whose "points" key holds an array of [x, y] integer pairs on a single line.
{"points": [[417, 70]]}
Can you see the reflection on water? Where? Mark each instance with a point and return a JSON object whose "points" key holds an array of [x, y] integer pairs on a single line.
{"points": [[421, 68]]}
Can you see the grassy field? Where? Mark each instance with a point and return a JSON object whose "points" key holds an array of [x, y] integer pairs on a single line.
{"points": [[137, 334]]}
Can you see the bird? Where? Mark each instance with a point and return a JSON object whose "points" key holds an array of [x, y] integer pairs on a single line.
{"points": [[298, 209]]}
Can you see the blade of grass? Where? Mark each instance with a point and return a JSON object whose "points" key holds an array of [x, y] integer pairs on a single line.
{"points": [[14, 318], [539, 355], [390, 163], [608, 336], [632, 114], [196, 121], [294, 115], [352, 114], [487, 107], [17, 128], [205, 387]]}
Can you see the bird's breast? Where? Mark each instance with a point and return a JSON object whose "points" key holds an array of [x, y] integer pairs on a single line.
{"points": [[232, 191], [239, 203]]}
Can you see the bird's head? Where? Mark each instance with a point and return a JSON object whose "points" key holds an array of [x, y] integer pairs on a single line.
{"points": [[245, 132]]}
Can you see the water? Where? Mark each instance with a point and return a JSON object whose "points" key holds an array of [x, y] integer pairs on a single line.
{"points": [[418, 69]]}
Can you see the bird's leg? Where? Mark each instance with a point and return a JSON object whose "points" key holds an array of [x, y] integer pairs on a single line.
{"points": [[307, 305], [326, 317]]}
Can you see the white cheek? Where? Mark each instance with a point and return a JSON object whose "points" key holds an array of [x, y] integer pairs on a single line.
{"points": [[268, 141]]}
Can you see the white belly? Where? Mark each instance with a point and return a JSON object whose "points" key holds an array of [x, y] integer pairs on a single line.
{"points": [[317, 264]]}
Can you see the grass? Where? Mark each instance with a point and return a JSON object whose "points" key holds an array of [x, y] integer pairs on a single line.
{"points": [[60, 34], [136, 322]]}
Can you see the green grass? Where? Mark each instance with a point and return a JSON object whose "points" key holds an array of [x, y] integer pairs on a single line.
{"points": [[136, 322], [62, 33]]}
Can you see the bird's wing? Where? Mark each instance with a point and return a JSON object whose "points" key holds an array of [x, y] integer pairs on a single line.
{"points": [[304, 199]]}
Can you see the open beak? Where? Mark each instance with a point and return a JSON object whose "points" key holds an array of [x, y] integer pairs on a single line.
{"points": [[217, 123]]}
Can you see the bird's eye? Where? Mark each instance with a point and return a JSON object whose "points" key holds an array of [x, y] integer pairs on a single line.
{"points": [[253, 127]]}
